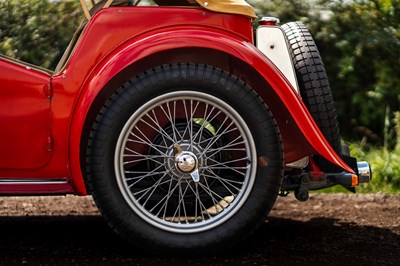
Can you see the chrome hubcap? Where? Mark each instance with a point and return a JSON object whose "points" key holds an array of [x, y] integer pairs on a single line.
{"points": [[186, 162]]}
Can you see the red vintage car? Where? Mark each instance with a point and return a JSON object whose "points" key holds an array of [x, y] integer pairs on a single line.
{"points": [[182, 122]]}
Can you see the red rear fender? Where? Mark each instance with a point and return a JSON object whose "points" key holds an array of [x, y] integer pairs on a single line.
{"points": [[299, 132]]}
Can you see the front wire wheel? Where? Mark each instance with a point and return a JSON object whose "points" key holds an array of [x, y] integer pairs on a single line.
{"points": [[179, 164]]}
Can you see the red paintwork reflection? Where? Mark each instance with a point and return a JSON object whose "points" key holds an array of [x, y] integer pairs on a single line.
{"points": [[24, 117]]}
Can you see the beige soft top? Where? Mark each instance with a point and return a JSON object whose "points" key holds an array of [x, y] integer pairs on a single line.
{"points": [[228, 6], [224, 6]]}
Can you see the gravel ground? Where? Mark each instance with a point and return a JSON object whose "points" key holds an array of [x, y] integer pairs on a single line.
{"points": [[330, 229]]}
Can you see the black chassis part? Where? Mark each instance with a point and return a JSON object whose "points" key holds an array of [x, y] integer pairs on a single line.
{"points": [[302, 182]]}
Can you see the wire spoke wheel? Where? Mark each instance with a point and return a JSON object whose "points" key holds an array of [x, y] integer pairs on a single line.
{"points": [[185, 161]]}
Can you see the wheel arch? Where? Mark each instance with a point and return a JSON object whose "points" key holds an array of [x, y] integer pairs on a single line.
{"points": [[239, 58]]}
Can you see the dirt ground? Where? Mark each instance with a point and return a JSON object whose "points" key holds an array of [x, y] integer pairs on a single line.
{"points": [[329, 229]]}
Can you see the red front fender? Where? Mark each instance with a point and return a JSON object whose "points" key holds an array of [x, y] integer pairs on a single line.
{"points": [[129, 53]]}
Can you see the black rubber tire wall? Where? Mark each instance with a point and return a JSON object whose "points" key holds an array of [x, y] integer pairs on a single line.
{"points": [[146, 86]]}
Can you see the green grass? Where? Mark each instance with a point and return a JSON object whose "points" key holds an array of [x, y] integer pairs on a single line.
{"points": [[385, 166]]}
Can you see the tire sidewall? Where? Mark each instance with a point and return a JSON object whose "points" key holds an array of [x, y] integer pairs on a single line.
{"points": [[262, 126]]}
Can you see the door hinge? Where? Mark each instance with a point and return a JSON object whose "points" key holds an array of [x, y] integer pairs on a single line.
{"points": [[50, 143], [48, 90]]}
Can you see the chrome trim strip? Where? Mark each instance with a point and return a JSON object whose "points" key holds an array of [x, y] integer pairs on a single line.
{"points": [[24, 181]]}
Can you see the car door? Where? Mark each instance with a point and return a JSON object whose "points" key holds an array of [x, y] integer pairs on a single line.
{"points": [[24, 115]]}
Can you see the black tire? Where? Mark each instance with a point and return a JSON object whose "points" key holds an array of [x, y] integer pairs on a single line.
{"points": [[153, 222], [313, 84]]}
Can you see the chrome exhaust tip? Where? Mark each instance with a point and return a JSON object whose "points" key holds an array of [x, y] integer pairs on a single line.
{"points": [[364, 172]]}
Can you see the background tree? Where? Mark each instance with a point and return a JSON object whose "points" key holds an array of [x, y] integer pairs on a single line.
{"points": [[37, 31]]}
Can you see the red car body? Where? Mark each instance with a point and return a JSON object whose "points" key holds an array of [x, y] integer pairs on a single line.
{"points": [[45, 115]]}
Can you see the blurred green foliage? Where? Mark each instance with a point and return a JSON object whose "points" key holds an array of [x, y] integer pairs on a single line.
{"points": [[37, 31], [385, 168]]}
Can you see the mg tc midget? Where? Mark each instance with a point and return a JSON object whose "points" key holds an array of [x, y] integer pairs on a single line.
{"points": [[182, 122]]}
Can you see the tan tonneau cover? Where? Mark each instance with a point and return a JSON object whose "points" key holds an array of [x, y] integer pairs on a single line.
{"points": [[224, 6], [228, 6]]}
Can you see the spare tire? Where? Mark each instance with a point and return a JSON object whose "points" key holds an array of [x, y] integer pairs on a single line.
{"points": [[313, 85]]}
